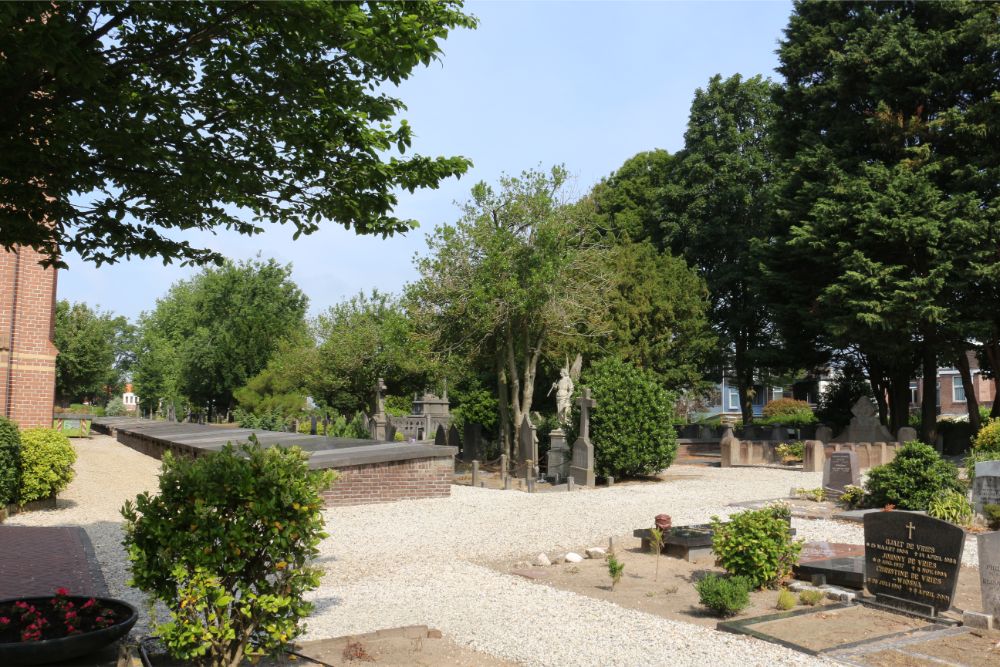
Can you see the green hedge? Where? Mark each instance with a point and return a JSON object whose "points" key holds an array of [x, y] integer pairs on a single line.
{"points": [[47, 459]]}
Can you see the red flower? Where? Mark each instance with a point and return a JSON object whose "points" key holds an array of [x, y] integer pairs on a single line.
{"points": [[70, 615], [62, 592], [89, 603]]}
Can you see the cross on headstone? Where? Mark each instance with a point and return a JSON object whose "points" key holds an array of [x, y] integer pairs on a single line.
{"points": [[586, 403], [910, 528]]}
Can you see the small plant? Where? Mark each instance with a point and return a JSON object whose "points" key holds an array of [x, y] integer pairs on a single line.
{"points": [[952, 506], [853, 496], [47, 459], [811, 598], [910, 481], [992, 514], [656, 546], [816, 495], [791, 452], [786, 600], [757, 545], [10, 461], [615, 569], [988, 438], [726, 596]]}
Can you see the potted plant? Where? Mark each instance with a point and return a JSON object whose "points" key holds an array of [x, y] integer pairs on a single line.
{"points": [[44, 630]]}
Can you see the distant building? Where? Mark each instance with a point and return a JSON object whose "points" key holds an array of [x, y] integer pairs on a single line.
{"points": [[950, 392], [27, 332], [429, 412], [130, 400]]}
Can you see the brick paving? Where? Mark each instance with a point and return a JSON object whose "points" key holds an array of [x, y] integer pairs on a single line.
{"points": [[38, 560]]}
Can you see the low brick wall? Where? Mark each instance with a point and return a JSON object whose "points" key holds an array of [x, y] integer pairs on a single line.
{"points": [[393, 480], [762, 452]]}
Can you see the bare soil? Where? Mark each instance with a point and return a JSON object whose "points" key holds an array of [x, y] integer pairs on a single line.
{"points": [[978, 648], [826, 629]]}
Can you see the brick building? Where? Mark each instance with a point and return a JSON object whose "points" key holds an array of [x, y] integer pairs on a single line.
{"points": [[950, 394], [27, 329]]}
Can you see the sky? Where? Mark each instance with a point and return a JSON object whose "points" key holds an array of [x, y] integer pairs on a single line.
{"points": [[583, 84]]}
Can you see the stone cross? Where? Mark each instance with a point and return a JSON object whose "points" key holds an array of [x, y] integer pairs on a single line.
{"points": [[379, 401], [586, 403]]}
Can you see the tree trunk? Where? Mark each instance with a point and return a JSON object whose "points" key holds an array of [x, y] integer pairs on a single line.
{"points": [[928, 407], [971, 402], [744, 382], [503, 409], [899, 400], [877, 380], [992, 348]]}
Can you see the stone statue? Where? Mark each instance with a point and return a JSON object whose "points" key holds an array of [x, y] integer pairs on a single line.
{"points": [[564, 395]]}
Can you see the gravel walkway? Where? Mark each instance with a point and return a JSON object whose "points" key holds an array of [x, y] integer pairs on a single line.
{"points": [[423, 562]]}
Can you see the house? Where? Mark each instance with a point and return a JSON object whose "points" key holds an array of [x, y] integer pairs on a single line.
{"points": [[129, 399], [950, 393]]}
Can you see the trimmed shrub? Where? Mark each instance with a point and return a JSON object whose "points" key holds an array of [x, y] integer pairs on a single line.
{"points": [[757, 545], [789, 412], [631, 428], [10, 461], [911, 480], [47, 459], [951, 506], [726, 596], [226, 545], [988, 438]]}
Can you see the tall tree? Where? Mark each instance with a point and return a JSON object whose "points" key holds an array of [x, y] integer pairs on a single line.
{"points": [[718, 206], [510, 282], [124, 122], [889, 133], [209, 335], [94, 352]]}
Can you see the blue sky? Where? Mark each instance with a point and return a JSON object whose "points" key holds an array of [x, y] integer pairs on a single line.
{"points": [[585, 84]]}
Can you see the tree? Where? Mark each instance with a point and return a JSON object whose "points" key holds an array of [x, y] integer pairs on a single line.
{"points": [[889, 229], [719, 203], [630, 204], [515, 279], [94, 352], [209, 335], [124, 122]]}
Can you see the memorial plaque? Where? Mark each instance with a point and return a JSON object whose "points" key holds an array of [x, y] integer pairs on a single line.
{"points": [[912, 559], [989, 572], [986, 485], [840, 470]]}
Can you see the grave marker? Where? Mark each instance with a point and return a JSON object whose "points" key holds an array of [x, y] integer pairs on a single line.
{"points": [[582, 466], [986, 486], [453, 439], [472, 436], [989, 571], [840, 470], [912, 561], [440, 438], [527, 450]]}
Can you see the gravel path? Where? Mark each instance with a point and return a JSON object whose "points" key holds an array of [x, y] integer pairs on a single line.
{"points": [[423, 562]]}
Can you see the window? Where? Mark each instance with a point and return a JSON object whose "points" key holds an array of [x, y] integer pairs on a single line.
{"points": [[957, 391], [734, 398]]}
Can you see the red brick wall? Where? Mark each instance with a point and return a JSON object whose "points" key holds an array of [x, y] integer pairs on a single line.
{"points": [[395, 480], [27, 354]]}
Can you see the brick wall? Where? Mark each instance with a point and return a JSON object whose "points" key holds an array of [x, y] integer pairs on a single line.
{"points": [[27, 328], [395, 480]]}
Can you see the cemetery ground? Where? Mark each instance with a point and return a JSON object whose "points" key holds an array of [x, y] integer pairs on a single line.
{"points": [[447, 564]]}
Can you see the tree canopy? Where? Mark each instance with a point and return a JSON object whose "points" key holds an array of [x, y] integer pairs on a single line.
{"points": [[94, 352], [126, 122]]}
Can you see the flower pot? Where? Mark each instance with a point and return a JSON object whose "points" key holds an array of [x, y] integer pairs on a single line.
{"points": [[61, 649]]}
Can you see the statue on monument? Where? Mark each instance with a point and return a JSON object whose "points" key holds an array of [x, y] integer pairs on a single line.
{"points": [[564, 389]]}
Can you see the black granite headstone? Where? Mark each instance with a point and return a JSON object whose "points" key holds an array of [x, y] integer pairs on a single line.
{"points": [[912, 560], [472, 437], [840, 470], [453, 439], [439, 437]]}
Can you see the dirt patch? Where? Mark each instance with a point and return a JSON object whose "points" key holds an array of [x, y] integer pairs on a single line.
{"points": [[826, 629], [977, 648]]}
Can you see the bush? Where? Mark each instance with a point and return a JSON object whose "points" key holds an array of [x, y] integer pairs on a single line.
{"points": [[47, 459], [786, 600], [992, 514], [264, 421], [757, 545], [988, 438], [10, 461], [726, 596], [795, 451], [226, 545], [811, 598], [853, 496], [951, 506], [115, 408], [912, 479], [789, 412], [631, 426]]}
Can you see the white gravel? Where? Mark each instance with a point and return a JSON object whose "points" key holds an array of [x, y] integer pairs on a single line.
{"points": [[422, 562]]}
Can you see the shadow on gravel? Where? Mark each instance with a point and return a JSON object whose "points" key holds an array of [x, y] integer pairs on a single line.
{"points": [[322, 604]]}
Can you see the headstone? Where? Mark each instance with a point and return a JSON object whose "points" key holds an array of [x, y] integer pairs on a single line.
{"points": [[864, 426], [814, 457], [986, 485], [378, 422], [989, 572], [840, 470], [453, 439], [557, 459], [779, 434], [907, 434], [582, 464], [472, 436], [824, 433], [390, 432], [312, 425], [440, 438], [527, 449], [912, 561], [729, 447]]}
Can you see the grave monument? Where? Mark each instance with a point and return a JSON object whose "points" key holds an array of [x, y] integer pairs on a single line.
{"points": [[581, 468], [986, 485], [840, 470], [864, 426], [377, 424], [989, 572]]}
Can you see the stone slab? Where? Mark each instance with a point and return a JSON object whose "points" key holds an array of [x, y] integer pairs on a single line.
{"points": [[986, 485], [988, 545], [840, 470], [848, 572]]}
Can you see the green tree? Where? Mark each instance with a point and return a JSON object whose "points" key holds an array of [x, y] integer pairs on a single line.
{"points": [[889, 230], [515, 279], [94, 352], [630, 204], [124, 122], [209, 335], [719, 205]]}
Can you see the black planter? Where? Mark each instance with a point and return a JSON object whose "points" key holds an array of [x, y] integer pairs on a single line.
{"points": [[59, 650]]}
